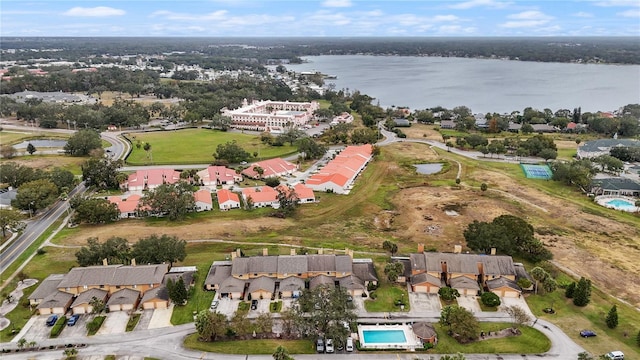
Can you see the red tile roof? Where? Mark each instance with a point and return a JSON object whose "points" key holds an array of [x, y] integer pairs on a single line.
{"points": [[225, 195], [153, 177], [261, 194], [203, 196], [271, 167]]}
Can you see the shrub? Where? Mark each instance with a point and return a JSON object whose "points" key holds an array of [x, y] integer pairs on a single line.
{"points": [[58, 326], [373, 295], [41, 251], [570, 290], [133, 321], [524, 283], [448, 294], [371, 286], [490, 299]]}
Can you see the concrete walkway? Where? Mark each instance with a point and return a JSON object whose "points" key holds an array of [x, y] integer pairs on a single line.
{"points": [[7, 306]]}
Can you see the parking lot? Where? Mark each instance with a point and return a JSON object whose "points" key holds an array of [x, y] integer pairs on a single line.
{"points": [[421, 302]]}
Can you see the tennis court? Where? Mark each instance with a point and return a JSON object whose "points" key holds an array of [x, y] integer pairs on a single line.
{"points": [[536, 171]]}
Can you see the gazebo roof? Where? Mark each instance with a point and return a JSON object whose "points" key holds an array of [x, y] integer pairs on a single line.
{"points": [[424, 330]]}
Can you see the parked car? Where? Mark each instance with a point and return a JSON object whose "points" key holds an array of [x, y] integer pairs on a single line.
{"points": [[329, 346], [73, 320], [587, 333], [51, 320], [254, 304], [349, 345], [320, 345], [615, 355], [214, 305]]}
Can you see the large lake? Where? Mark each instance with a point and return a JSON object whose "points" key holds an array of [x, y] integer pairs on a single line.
{"points": [[481, 84]]}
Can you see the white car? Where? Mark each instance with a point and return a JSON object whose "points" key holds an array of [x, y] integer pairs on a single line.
{"points": [[329, 346], [214, 305]]}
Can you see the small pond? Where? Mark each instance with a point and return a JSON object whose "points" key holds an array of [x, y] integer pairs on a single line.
{"points": [[428, 168], [41, 143]]}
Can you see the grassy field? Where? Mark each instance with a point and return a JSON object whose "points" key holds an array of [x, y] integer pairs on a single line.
{"points": [[196, 146], [530, 342], [250, 347], [571, 319], [48, 162], [387, 295]]}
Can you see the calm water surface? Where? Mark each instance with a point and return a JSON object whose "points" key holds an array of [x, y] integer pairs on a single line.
{"points": [[482, 85]]}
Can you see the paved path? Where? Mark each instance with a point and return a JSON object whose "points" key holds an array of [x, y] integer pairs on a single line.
{"points": [[8, 306]]}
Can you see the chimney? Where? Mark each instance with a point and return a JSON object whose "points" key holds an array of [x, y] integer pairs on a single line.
{"points": [[493, 251], [238, 252], [265, 252], [457, 249], [105, 262], [133, 262], [320, 251], [351, 254], [233, 255], [420, 248], [293, 251]]}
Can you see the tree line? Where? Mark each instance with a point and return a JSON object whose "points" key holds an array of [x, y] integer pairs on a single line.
{"points": [[152, 249]]}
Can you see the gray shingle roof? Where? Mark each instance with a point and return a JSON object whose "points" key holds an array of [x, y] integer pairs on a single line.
{"points": [[463, 282], [502, 281], [321, 263], [85, 297], [232, 284], [418, 261], [292, 264], [463, 263], [497, 264], [321, 280], [217, 274], [343, 264], [47, 287], [240, 266], [425, 278], [604, 144], [57, 299], [160, 293], [291, 284], [124, 297], [616, 184], [365, 271], [187, 278], [352, 283], [263, 264], [262, 283], [114, 275]]}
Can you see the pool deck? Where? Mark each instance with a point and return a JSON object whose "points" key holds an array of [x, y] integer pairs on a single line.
{"points": [[411, 343], [603, 199]]}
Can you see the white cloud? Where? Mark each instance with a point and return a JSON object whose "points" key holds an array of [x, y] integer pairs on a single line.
{"points": [[480, 3], [530, 15], [445, 18], [632, 3], [582, 14], [455, 29], [99, 11], [337, 3], [632, 13], [523, 24], [170, 15]]}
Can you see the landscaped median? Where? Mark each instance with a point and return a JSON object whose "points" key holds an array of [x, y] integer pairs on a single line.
{"points": [[249, 347]]}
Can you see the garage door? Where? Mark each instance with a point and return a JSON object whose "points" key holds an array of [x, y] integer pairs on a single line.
{"points": [[79, 310], [511, 294], [420, 288]]}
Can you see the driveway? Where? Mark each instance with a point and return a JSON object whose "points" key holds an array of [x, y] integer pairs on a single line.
{"points": [[161, 318], [35, 329], [115, 323], [505, 301], [470, 303], [145, 319], [423, 302], [227, 307], [79, 329]]}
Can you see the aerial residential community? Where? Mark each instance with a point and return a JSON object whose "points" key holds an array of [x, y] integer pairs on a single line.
{"points": [[225, 196]]}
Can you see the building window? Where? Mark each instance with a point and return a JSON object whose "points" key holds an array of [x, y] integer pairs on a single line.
{"points": [[135, 286], [101, 286], [117, 286]]}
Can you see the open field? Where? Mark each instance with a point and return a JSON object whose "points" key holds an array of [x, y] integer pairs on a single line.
{"points": [[107, 98], [531, 341], [195, 146], [250, 347], [48, 162]]}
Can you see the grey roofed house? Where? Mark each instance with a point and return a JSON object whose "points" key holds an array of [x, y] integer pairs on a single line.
{"points": [[365, 271], [263, 264], [292, 284], [521, 272], [447, 124], [497, 265], [463, 282], [159, 292], [240, 266], [218, 273], [85, 297], [231, 284], [114, 275], [352, 283], [401, 122], [321, 280], [502, 281], [6, 197], [292, 264], [513, 127], [543, 128], [262, 283], [344, 264], [455, 263], [57, 299], [47, 287], [187, 278], [615, 186], [599, 147], [123, 297], [321, 263], [426, 278], [419, 262]]}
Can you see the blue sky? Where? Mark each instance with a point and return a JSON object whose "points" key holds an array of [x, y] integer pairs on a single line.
{"points": [[320, 18]]}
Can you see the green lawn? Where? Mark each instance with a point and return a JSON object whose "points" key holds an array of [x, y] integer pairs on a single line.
{"points": [[199, 299], [250, 347], [387, 295], [531, 341], [571, 319], [196, 146]]}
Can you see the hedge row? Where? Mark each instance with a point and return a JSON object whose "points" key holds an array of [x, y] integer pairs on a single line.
{"points": [[58, 326]]}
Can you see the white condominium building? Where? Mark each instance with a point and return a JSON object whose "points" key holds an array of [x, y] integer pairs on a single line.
{"points": [[265, 114]]}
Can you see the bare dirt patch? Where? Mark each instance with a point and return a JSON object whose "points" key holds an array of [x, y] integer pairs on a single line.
{"points": [[48, 162], [422, 131]]}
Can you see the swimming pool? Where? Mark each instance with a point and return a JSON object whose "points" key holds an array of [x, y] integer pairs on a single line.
{"points": [[396, 336], [384, 336], [617, 202]]}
